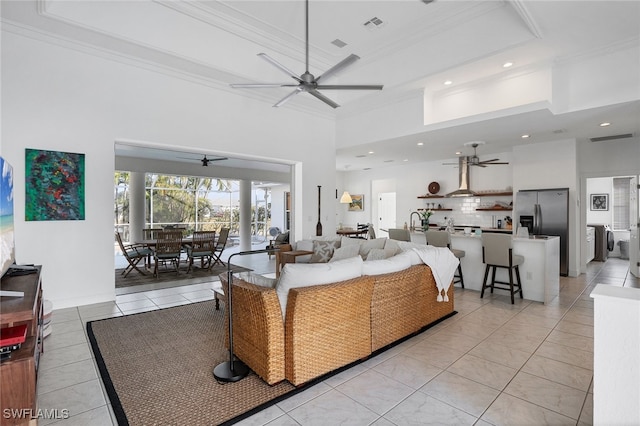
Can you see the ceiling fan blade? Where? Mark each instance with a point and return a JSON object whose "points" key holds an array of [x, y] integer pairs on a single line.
{"points": [[217, 159], [489, 161], [286, 98], [322, 98], [491, 164], [339, 66], [350, 87], [260, 85], [280, 66]]}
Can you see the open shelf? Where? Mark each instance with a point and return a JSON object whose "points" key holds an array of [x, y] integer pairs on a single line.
{"points": [[437, 210], [482, 194], [494, 209]]}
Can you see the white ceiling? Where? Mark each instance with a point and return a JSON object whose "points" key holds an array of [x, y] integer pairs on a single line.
{"points": [[418, 47]]}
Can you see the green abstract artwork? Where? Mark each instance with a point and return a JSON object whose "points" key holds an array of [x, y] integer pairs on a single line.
{"points": [[54, 185]]}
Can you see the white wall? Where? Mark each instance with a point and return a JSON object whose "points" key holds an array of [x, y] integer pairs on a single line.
{"points": [[58, 98]]}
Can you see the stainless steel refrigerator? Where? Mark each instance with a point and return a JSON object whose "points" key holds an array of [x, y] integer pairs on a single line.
{"points": [[546, 212]]}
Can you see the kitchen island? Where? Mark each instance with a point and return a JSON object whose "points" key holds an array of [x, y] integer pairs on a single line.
{"points": [[540, 272]]}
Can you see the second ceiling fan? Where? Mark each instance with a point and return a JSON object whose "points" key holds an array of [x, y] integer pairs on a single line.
{"points": [[307, 82], [474, 160]]}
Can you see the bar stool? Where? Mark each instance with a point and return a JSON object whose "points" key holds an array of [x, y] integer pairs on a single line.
{"points": [[497, 252], [399, 234], [443, 239]]}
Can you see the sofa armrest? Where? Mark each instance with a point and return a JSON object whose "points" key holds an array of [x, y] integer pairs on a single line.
{"points": [[326, 327], [258, 330]]}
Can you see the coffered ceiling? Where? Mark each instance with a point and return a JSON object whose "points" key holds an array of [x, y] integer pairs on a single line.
{"points": [[408, 45]]}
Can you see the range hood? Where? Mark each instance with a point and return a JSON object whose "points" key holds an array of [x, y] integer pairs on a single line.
{"points": [[463, 177]]}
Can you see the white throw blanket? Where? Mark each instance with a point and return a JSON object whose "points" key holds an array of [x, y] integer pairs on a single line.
{"points": [[443, 264]]}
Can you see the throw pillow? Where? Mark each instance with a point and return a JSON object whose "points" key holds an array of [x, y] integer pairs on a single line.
{"points": [[345, 252], [379, 254], [346, 241], [304, 275], [367, 245], [323, 250]]}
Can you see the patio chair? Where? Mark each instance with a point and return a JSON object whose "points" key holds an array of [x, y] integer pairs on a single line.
{"points": [[150, 233], [134, 253], [168, 249], [202, 246], [220, 245]]}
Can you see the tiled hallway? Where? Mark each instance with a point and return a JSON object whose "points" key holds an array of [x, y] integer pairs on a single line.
{"points": [[492, 363]]}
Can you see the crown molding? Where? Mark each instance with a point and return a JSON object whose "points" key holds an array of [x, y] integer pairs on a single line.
{"points": [[151, 59]]}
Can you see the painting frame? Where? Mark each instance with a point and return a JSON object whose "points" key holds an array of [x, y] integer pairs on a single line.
{"points": [[357, 203], [599, 202], [54, 185]]}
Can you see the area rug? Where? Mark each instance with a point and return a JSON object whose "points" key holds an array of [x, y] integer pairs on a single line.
{"points": [[157, 368], [195, 276]]}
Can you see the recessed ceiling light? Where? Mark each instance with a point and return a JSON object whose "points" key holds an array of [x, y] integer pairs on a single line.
{"points": [[406, 159], [507, 64], [458, 153], [420, 143], [525, 136], [448, 82], [371, 152], [605, 124]]}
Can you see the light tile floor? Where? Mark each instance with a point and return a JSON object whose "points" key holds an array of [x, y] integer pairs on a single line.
{"points": [[492, 363]]}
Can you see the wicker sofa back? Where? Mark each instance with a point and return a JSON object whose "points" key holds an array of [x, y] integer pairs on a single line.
{"points": [[329, 326]]}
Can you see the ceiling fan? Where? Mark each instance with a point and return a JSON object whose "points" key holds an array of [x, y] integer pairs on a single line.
{"points": [[307, 82], [205, 161], [474, 160]]}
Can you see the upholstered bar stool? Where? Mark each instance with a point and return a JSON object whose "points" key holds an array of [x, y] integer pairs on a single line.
{"points": [[399, 234], [497, 252], [443, 239]]}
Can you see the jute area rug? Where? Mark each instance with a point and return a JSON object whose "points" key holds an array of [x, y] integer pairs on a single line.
{"points": [[195, 276], [157, 368]]}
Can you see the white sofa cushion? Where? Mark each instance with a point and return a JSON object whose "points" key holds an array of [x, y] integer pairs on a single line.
{"points": [[296, 275], [396, 263]]}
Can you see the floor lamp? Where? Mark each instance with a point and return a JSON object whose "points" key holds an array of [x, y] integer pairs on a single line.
{"points": [[234, 369]]}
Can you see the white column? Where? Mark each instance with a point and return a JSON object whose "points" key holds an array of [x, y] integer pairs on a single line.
{"points": [[616, 351], [245, 215], [136, 205]]}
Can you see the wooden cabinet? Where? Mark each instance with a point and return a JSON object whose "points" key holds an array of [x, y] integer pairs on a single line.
{"points": [[18, 374]]}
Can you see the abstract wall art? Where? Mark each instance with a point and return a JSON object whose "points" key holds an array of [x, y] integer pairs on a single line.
{"points": [[54, 185]]}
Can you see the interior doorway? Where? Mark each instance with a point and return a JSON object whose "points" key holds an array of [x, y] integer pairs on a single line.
{"points": [[386, 211], [613, 202]]}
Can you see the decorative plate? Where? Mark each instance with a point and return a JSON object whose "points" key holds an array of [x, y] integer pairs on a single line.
{"points": [[434, 187]]}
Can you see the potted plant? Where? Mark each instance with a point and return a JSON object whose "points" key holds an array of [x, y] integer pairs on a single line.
{"points": [[424, 216]]}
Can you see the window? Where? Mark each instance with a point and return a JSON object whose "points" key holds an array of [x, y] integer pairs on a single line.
{"points": [[621, 206]]}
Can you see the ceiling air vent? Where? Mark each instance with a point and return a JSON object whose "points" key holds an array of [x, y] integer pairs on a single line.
{"points": [[339, 43], [611, 138], [373, 23]]}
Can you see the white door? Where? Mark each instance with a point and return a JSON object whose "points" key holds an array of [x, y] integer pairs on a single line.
{"points": [[386, 212], [634, 238]]}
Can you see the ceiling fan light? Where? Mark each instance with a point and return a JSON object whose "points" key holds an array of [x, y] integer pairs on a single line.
{"points": [[346, 198]]}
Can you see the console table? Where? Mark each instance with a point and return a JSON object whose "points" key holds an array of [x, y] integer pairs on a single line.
{"points": [[18, 374]]}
